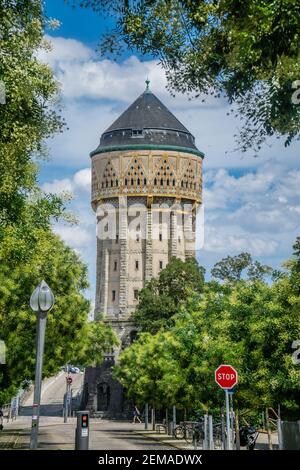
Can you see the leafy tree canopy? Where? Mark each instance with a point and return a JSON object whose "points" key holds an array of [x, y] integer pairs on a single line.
{"points": [[247, 50], [29, 250], [231, 268], [162, 297], [248, 323]]}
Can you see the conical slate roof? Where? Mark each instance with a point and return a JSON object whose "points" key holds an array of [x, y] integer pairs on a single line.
{"points": [[147, 112], [147, 122]]}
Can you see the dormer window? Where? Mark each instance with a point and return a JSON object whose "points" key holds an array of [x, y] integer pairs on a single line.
{"points": [[137, 133]]}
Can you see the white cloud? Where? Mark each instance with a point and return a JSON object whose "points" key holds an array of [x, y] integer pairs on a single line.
{"points": [[250, 204], [83, 74], [235, 240], [81, 181], [74, 235], [96, 91], [58, 186]]}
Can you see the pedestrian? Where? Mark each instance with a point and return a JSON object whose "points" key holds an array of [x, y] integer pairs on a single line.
{"points": [[136, 415], [1, 420]]}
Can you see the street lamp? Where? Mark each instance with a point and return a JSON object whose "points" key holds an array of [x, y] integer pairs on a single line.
{"points": [[41, 301]]}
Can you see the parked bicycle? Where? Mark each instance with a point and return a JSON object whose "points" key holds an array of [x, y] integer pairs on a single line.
{"points": [[198, 434], [185, 431], [217, 436]]}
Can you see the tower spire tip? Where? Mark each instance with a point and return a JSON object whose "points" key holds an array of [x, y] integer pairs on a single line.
{"points": [[147, 84]]}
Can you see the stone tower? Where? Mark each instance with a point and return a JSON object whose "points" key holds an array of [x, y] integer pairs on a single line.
{"points": [[146, 187]]}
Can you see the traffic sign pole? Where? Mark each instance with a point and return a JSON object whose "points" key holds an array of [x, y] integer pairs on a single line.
{"points": [[227, 420], [226, 377], [67, 397], [232, 422]]}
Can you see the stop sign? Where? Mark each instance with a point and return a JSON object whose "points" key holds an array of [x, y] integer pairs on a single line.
{"points": [[226, 376], [69, 380]]}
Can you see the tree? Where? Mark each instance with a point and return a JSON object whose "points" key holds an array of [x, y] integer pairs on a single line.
{"points": [[248, 323], [29, 250], [247, 51], [28, 116], [148, 370], [230, 269], [100, 339], [162, 297], [69, 335]]}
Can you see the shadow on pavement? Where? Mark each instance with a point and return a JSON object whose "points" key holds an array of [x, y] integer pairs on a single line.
{"points": [[45, 410]]}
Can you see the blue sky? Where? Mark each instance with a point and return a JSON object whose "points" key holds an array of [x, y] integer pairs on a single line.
{"points": [[251, 204]]}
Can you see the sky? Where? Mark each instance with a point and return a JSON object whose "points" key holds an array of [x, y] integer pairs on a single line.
{"points": [[250, 204]]}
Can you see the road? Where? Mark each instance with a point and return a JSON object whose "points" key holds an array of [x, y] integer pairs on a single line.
{"points": [[55, 434]]}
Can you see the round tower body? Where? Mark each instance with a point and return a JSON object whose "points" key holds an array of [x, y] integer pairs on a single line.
{"points": [[146, 187]]}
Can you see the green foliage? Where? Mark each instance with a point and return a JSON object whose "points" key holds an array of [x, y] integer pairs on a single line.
{"points": [[100, 339], [230, 269], [247, 323], [28, 116], [247, 51], [160, 300], [29, 250]]}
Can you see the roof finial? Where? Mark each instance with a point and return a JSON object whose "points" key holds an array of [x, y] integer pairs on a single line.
{"points": [[147, 84]]}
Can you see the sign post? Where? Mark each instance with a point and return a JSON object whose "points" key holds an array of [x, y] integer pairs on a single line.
{"points": [[69, 381], [226, 377]]}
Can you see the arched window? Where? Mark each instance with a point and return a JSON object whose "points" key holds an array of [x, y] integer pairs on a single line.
{"points": [[145, 181], [155, 181], [161, 182], [117, 183], [125, 181], [173, 182]]}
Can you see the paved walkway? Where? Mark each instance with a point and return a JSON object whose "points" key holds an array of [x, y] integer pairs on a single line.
{"points": [[104, 434]]}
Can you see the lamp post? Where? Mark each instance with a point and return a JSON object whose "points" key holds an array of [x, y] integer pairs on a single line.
{"points": [[41, 301]]}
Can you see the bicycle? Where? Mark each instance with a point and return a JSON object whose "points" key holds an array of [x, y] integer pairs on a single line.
{"points": [[184, 431], [217, 436], [198, 434]]}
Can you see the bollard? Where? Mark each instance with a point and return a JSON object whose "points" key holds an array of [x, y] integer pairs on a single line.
{"points": [[206, 437], [210, 433], [82, 431], [170, 428]]}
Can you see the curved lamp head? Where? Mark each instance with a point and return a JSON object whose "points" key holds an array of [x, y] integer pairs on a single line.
{"points": [[42, 298]]}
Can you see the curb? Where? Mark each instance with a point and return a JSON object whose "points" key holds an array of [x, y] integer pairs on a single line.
{"points": [[162, 441]]}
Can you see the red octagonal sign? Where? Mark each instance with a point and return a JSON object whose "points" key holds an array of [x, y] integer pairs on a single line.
{"points": [[226, 376]]}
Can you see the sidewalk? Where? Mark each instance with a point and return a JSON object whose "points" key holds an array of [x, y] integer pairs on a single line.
{"points": [[261, 444], [15, 435], [163, 438]]}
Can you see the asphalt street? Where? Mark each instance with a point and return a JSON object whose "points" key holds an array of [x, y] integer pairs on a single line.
{"points": [[55, 434]]}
